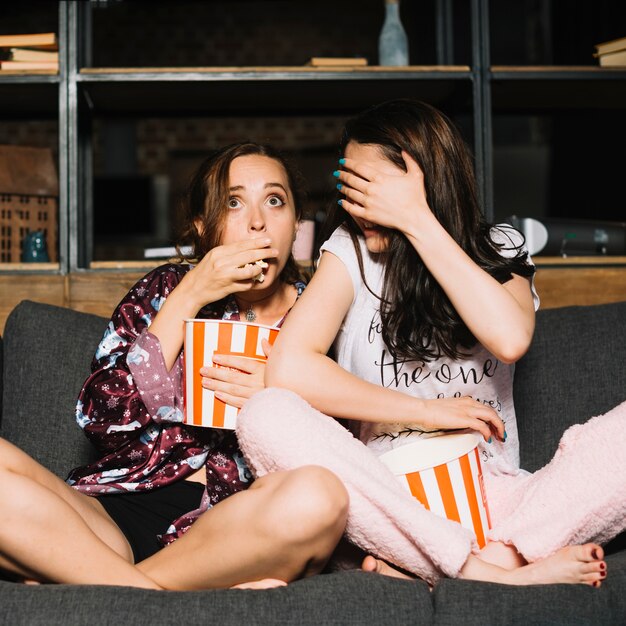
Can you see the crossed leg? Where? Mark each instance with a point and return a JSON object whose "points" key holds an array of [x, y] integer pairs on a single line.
{"points": [[284, 527], [572, 564], [49, 532], [383, 516]]}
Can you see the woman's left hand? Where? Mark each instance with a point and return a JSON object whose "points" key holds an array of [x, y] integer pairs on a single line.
{"points": [[392, 200], [237, 378]]}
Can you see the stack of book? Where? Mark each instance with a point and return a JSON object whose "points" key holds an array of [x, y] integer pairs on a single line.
{"points": [[39, 51], [611, 53]]}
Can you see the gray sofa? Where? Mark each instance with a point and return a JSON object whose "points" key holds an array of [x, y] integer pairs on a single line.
{"points": [[575, 368]]}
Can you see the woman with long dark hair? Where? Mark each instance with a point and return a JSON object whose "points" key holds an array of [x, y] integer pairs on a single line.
{"points": [[425, 308]]}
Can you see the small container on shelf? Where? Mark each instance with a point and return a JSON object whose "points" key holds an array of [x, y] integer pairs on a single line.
{"points": [[29, 192]]}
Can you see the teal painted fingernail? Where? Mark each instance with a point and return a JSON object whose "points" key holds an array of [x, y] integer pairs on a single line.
{"points": [[339, 186], [339, 203], [490, 440], [336, 173], [342, 161], [505, 435]]}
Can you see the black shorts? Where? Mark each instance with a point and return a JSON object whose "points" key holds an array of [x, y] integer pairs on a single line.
{"points": [[141, 516]]}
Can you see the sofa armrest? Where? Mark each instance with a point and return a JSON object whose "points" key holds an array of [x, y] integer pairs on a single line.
{"points": [[47, 354]]}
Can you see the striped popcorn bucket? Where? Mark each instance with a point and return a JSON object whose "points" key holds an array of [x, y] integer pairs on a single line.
{"points": [[203, 339], [445, 474]]}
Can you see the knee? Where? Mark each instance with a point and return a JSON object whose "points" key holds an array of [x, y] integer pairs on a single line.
{"points": [[312, 503], [320, 490]]}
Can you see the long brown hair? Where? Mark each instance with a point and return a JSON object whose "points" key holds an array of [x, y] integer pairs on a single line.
{"points": [[418, 320], [206, 199]]}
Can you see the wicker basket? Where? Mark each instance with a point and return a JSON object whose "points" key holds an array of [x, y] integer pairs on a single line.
{"points": [[28, 200]]}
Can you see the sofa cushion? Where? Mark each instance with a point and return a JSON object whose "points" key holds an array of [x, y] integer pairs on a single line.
{"points": [[575, 369], [47, 356], [342, 598], [475, 604]]}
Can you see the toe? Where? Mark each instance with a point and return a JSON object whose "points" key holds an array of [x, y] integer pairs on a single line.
{"points": [[370, 564], [593, 567], [597, 552], [591, 552]]}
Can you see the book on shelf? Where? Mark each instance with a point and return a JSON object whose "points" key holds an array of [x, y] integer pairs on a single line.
{"points": [[166, 252], [42, 41], [613, 59], [29, 65], [26, 54], [337, 62], [614, 45]]}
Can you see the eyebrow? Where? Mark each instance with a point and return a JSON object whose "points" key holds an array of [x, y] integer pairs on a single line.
{"points": [[266, 186]]}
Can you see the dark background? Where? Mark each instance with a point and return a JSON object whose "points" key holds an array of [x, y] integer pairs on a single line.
{"points": [[554, 161]]}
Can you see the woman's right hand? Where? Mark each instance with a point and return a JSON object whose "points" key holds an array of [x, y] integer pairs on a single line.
{"points": [[227, 269], [460, 413]]}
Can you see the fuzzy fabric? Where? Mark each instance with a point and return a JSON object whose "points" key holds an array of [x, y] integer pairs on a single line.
{"points": [[278, 430], [579, 496]]}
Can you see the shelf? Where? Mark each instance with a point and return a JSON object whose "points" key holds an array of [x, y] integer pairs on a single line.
{"points": [[29, 267], [582, 105], [147, 265], [557, 72], [290, 70], [553, 88], [30, 76], [580, 261], [226, 91]]}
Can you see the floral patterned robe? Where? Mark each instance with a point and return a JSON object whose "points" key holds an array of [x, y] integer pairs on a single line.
{"points": [[131, 409]]}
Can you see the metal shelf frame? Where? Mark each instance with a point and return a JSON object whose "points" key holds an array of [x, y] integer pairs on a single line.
{"points": [[485, 91], [85, 90]]}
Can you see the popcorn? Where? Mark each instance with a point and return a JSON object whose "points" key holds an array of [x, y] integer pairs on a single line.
{"points": [[263, 265]]}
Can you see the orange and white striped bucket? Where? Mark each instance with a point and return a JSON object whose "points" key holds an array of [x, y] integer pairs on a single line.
{"points": [[203, 339], [445, 474]]}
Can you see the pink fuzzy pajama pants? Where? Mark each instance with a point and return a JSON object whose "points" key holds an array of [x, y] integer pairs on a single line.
{"points": [[579, 496]]}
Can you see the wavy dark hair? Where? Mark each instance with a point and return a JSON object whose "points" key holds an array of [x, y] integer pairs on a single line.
{"points": [[206, 199], [418, 320]]}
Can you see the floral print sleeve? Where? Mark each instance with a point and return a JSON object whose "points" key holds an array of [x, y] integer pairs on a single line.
{"points": [[140, 450], [131, 408], [109, 406], [160, 389]]}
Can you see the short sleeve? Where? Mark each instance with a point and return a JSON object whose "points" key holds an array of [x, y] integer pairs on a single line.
{"points": [[511, 241], [341, 245]]}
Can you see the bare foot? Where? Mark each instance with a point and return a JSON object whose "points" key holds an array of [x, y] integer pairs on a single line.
{"points": [[502, 555], [265, 583], [573, 564], [371, 564]]}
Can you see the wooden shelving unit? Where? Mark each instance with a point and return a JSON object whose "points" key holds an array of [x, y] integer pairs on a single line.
{"points": [[78, 93]]}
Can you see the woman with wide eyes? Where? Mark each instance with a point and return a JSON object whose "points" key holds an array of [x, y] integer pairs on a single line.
{"points": [[168, 505]]}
